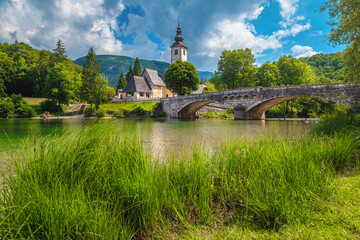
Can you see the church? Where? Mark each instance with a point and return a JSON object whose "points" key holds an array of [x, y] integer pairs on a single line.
{"points": [[151, 84]]}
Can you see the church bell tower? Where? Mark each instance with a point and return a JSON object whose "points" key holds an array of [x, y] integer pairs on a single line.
{"points": [[178, 49]]}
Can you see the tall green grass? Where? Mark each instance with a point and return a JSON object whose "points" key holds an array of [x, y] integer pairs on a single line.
{"points": [[97, 183]]}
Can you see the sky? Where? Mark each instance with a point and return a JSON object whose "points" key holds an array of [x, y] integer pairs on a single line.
{"points": [[146, 28]]}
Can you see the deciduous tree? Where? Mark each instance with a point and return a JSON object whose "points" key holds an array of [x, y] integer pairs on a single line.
{"points": [[345, 22], [267, 75], [182, 78], [236, 69]]}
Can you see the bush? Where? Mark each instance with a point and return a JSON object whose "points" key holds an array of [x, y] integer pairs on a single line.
{"points": [[99, 113], [118, 114], [50, 106], [162, 114], [24, 111], [89, 112], [6, 109]]}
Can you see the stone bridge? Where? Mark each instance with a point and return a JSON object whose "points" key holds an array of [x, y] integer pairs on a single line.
{"points": [[252, 103]]}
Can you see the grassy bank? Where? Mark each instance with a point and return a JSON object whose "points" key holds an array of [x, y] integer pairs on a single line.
{"points": [[140, 109], [96, 182], [229, 113]]}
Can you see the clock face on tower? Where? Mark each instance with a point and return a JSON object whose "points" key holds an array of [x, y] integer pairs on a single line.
{"points": [[178, 48]]}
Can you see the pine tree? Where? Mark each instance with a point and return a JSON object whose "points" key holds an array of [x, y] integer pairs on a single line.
{"points": [[122, 81], [137, 67], [59, 51], [93, 81], [129, 74]]}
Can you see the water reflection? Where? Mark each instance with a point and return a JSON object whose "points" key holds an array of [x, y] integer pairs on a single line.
{"points": [[160, 136]]}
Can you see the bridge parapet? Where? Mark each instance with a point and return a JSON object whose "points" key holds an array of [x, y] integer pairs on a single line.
{"points": [[252, 103]]}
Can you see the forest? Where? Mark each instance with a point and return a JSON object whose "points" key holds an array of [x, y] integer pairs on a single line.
{"points": [[52, 75]]}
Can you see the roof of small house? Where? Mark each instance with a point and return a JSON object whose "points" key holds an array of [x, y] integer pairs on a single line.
{"points": [[202, 87], [137, 84], [154, 77]]}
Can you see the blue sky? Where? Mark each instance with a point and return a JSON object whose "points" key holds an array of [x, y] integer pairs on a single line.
{"points": [[146, 29]]}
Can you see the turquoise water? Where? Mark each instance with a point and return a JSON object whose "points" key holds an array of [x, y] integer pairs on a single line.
{"points": [[161, 137]]}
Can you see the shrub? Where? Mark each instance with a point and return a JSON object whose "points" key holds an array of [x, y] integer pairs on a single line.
{"points": [[89, 112], [162, 114], [24, 111], [6, 109], [118, 114], [99, 113], [50, 106]]}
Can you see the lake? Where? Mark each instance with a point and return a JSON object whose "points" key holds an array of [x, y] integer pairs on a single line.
{"points": [[160, 136]]}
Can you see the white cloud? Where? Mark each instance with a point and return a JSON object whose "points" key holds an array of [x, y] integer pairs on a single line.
{"points": [[303, 51], [288, 8], [79, 24]]}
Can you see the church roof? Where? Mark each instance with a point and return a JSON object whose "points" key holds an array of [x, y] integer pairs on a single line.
{"points": [[178, 38], [154, 77], [137, 84]]}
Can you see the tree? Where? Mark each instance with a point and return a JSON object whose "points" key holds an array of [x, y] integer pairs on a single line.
{"points": [[236, 69], [129, 74], [93, 83], [122, 81], [294, 72], [267, 75], [59, 51], [344, 19], [59, 86], [182, 78], [137, 68]]}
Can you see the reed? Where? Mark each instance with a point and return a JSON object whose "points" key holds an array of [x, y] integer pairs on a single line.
{"points": [[97, 182]]}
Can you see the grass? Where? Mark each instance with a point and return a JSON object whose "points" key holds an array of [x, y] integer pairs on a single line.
{"points": [[34, 101], [229, 113], [136, 108], [96, 182]]}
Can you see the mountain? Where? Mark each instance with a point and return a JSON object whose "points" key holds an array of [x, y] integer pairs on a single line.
{"points": [[111, 66]]}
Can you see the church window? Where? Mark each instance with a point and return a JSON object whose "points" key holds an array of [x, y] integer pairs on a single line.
{"points": [[184, 52], [176, 52]]}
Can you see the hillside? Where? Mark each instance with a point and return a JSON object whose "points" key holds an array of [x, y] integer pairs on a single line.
{"points": [[328, 65], [111, 66]]}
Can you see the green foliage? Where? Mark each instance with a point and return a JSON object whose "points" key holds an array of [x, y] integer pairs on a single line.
{"points": [[268, 75], [59, 51], [50, 106], [229, 113], [99, 113], [89, 112], [129, 74], [24, 70], [59, 84], [118, 114], [94, 83], [136, 108], [122, 81], [236, 69], [344, 19], [137, 68], [109, 94], [97, 182], [328, 66], [6, 109], [181, 78], [24, 111], [210, 87], [294, 72]]}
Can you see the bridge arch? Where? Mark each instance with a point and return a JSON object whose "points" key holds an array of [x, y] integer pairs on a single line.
{"points": [[189, 109], [257, 110]]}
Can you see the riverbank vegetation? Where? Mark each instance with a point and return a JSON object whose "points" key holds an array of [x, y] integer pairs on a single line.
{"points": [[96, 182], [121, 110], [229, 113]]}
